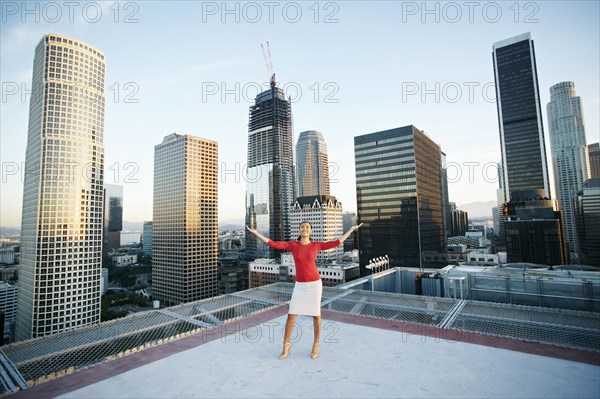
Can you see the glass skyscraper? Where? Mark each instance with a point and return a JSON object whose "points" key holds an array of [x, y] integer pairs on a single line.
{"points": [[587, 214], [147, 239], [63, 193], [594, 157], [520, 116], [312, 165], [113, 217], [185, 219], [533, 228], [399, 197], [270, 177], [446, 199], [569, 151]]}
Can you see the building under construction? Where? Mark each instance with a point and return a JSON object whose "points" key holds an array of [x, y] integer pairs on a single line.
{"points": [[270, 177]]}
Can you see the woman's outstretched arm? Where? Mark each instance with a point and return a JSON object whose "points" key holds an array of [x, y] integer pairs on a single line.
{"points": [[256, 233], [350, 231]]}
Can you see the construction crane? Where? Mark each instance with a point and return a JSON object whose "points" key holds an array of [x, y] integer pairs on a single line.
{"points": [[267, 55]]}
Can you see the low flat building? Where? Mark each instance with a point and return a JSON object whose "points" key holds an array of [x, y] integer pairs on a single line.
{"points": [[269, 271]]}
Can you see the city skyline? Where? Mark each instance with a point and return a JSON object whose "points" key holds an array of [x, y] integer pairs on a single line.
{"points": [[336, 69]]}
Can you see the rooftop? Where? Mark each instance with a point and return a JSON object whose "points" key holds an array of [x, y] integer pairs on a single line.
{"points": [[373, 344]]}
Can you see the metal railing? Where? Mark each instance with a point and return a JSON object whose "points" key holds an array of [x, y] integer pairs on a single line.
{"points": [[28, 363]]}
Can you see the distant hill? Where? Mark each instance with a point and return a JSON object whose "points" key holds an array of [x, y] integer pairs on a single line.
{"points": [[9, 231], [478, 209], [231, 224]]}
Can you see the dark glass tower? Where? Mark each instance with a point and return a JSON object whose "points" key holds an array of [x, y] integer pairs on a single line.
{"points": [[520, 116], [270, 177], [113, 217], [399, 197], [587, 214], [594, 155], [534, 229]]}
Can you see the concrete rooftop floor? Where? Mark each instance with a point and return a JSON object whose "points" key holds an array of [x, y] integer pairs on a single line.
{"points": [[359, 358]]}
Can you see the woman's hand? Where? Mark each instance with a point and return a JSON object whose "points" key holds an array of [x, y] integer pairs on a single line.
{"points": [[354, 228], [350, 231], [256, 233]]}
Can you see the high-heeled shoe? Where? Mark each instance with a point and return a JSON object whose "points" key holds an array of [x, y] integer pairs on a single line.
{"points": [[315, 351], [286, 351]]}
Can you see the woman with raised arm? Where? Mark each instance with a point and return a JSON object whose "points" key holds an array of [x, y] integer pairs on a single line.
{"points": [[306, 297]]}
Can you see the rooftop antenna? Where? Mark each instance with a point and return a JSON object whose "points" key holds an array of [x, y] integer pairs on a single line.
{"points": [[267, 55]]}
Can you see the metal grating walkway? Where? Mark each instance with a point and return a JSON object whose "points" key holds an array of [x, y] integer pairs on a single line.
{"points": [[28, 363]]}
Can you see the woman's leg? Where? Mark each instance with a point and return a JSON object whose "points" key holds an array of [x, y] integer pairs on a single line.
{"points": [[317, 329], [289, 327]]}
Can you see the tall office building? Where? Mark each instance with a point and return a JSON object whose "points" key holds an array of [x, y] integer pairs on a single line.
{"points": [[113, 217], [324, 213], [501, 200], [529, 211], [496, 220], [147, 239], [399, 197], [312, 165], [594, 157], [460, 223], [270, 181], [569, 152], [61, 226], [185, 219], [348, 220], [446, 199], [520, 116], [8, 307], [587, 214], [534, 230]]}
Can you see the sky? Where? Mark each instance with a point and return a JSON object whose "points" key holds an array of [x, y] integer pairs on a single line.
{"points": [[350, 68]]}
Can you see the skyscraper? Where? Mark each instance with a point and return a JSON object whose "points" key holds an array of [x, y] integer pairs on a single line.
{"points": [[312, 165], [534, 230], [147, 239], [270, 177], [501, 200], [399, 197], [348, 220], [594, 156], [460, 222], [185, 219], [113, 216], [587, 213], [61, 226], [447, 212], [496, 220], [520, 116], [569, 152], [534, 227]]}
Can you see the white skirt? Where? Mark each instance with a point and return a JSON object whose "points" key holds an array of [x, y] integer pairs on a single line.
{"points": [[306, 298]]}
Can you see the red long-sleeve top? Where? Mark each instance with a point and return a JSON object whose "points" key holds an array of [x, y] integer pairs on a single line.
{"points": [[304, 256]]}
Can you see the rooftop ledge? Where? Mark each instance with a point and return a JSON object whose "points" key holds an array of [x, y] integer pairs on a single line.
{"points": [[373, 344]]}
